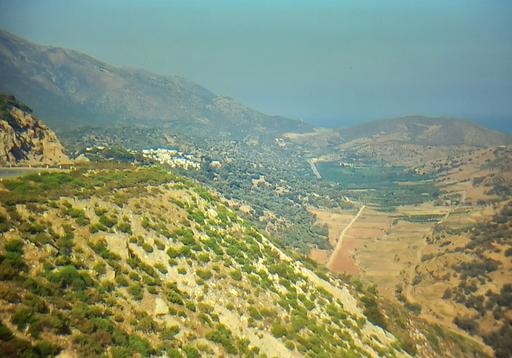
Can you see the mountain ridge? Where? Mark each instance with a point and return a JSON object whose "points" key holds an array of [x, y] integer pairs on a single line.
{"points": [[70, 88]]}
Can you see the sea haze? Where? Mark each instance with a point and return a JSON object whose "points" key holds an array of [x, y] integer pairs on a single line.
{"points": [[356, 60]]}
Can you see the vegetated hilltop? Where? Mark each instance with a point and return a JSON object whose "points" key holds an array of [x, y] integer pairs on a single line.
{"points": [[408, 141], [24, 138], [428, 131], [69, 88], [411, 141], [124, 262]]}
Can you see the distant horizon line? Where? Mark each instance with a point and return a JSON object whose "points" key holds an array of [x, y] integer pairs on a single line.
{"points": [[498, 123]]}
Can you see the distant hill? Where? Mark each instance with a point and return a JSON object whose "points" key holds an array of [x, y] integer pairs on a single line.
{"points": [[428, 131], [70, 89], [24, 138]]}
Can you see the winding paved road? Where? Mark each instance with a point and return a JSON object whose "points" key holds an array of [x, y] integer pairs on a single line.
{"points": [[312, 163]]}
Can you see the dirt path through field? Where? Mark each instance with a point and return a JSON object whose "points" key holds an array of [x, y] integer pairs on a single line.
{"points": [[339, 243]]}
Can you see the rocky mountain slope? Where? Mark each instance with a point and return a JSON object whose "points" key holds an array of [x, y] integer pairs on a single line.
{"points": [[24, 139], [90, 265], [69, 88]]}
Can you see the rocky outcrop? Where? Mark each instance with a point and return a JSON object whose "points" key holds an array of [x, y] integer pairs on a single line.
{"points": [[25, 139]]}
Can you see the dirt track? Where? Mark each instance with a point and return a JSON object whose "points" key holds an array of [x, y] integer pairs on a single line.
{"points": [[339, 243]]}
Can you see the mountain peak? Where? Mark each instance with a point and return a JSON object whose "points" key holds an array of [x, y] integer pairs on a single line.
{"points": [[69, 88]]}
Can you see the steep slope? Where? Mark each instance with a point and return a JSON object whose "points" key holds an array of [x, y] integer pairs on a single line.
{"points": [[465, 274], [24, 138], [128, 262], [69, 88], [428, 131]]}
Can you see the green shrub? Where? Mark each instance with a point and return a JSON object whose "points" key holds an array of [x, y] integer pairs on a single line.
{"points": [[172, 262], [107, 221], [140, 345], [289, 345], [254, 313], [223, 336], [121, 280], [5, 333], [146, 224], [204, 274], [191, 306], [173, 253], [4, 224], [203, 258], [372, 311], [467, 324], [174, 297], [31, 228], [191, 352], [136, 291], [69, 277], [22, 317], [14, 246], [78, 215], [147, 247], [168, 333], [159, 245], [100, 211], [160, 267], [125, 227], [96, 228], [12, 263], [100, 268], [46, 349], [236, 275], [279, 330], [173, 353], [413, 307]]}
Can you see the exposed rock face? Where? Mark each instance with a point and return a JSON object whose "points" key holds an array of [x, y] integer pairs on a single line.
{"points": [[24, 139]]}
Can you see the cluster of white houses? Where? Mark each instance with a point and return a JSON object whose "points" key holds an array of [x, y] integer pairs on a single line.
{"points": [[172, 157], [168, 156]]}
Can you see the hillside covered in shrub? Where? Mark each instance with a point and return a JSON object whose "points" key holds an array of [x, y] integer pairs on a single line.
{"points": [[128, 262]]}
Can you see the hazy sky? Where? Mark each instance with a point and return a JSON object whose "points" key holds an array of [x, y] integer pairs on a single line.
{"points": [[333, 62]]}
